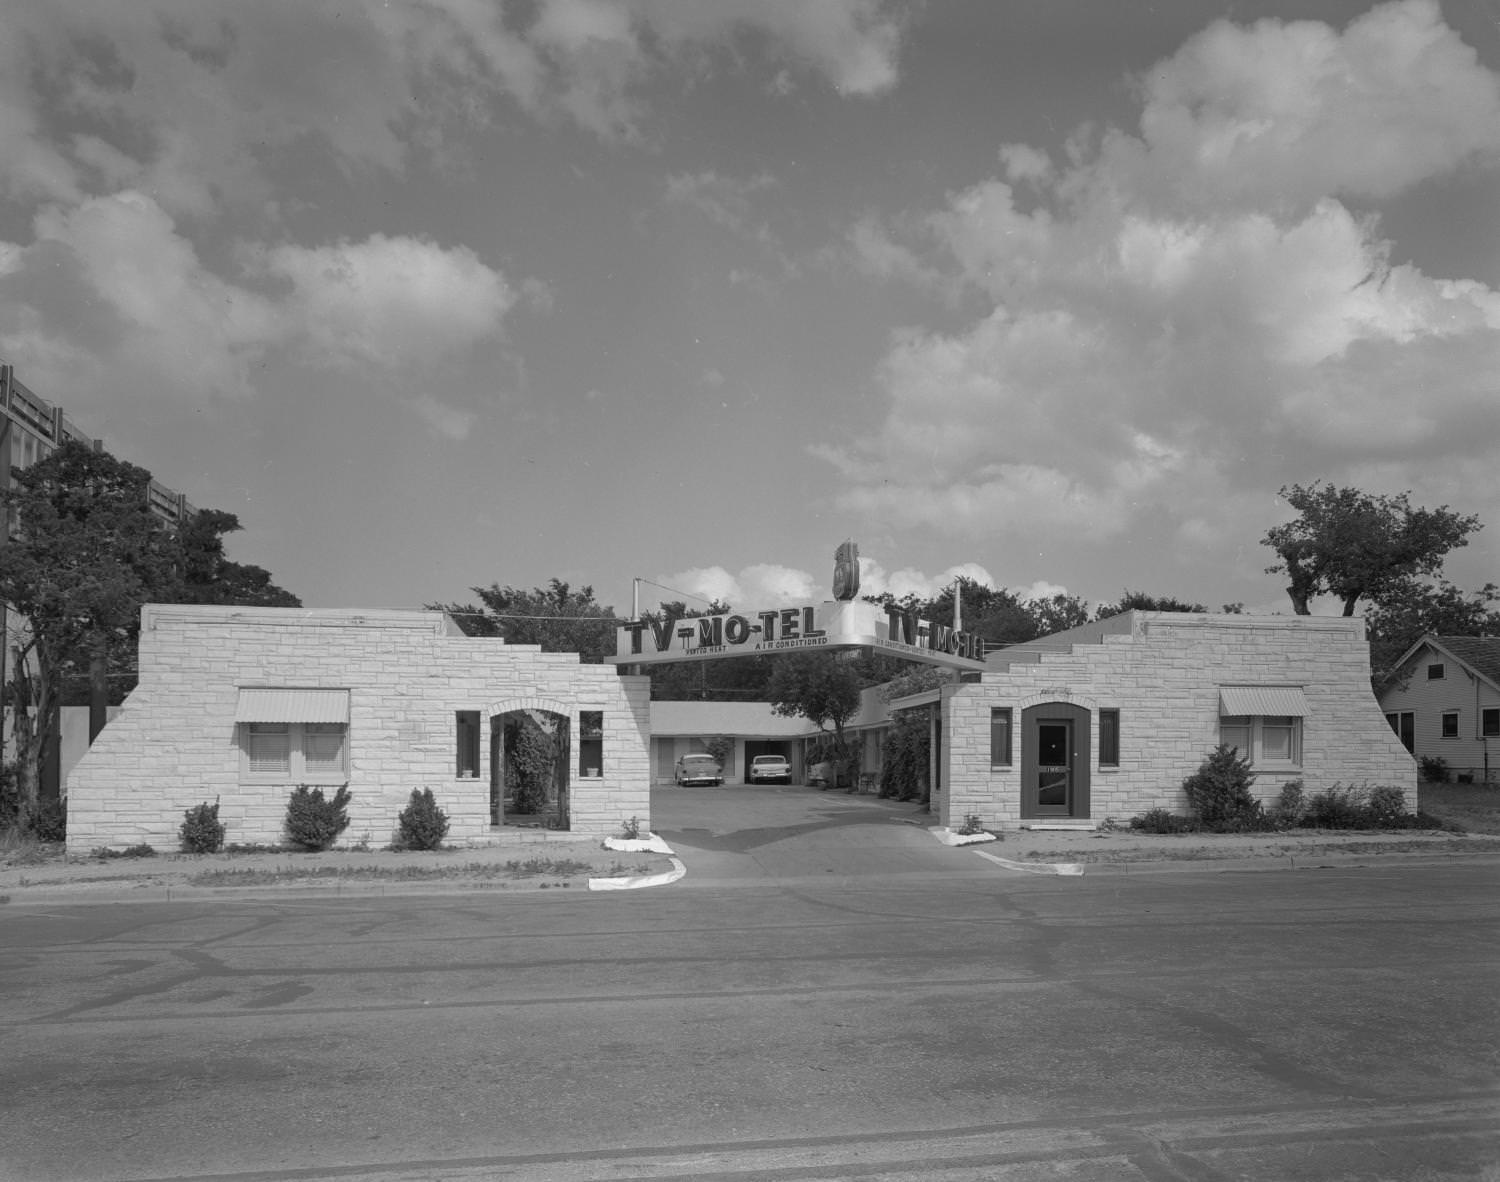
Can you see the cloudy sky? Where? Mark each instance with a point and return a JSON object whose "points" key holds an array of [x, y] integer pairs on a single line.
{"points": [[1055, 293]]}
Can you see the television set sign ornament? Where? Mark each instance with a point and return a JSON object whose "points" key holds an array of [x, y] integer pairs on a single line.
{"points": [[846, 572]]}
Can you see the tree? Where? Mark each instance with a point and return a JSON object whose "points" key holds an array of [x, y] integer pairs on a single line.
{"points": [[820, 687], [209, 577], [1357, 546], [1404, 616], [1140, 601], [86, 555], [556, 617]]}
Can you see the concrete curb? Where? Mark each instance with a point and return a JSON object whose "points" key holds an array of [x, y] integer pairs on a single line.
{"points": [[639, 881], [952, 837]]}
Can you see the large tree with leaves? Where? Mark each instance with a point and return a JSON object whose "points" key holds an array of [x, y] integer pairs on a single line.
{"points": [[1355, 545], [83, 554], [822, 687], [557, 617], [208, 576]]}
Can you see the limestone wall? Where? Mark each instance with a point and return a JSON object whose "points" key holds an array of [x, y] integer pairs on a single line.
{"points": [[175, 744]]}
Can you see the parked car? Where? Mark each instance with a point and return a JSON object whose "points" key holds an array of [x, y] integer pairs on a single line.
{"points": [[770, 769], [699, 769]]}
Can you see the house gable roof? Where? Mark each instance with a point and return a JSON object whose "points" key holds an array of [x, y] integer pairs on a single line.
{"points": [[1480, 655]]}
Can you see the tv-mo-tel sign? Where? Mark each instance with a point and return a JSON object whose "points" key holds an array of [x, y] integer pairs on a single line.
{"points": [[833, 624]]}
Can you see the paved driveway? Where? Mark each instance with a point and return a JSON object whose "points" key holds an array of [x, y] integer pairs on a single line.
{"points": [[737, 834]]}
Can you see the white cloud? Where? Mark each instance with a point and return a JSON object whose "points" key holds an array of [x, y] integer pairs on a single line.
{"points": [[1180, 319], [109, 285], [1297, 110], [444, 421], [387, 301], [197, 96], [773, 585], [110, 289]]}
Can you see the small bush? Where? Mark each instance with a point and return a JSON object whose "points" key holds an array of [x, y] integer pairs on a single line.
{"points": [[1219, 790], [1339, 807], [104, 854], [1433, 768], [422, 825], [202, 832], [1387, 806], [1162, 821], [972, 825], [313, 822], [1290, 806], [50, 821], [631, 829]]}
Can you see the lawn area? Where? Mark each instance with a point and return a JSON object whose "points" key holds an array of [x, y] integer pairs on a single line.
{"points": [[1474, 808]]}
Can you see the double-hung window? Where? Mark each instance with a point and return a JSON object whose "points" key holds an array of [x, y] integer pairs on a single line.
{"points": [[293, 736]]}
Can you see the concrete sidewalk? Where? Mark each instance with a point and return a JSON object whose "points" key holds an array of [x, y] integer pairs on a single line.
{"points": [[726, 836]]}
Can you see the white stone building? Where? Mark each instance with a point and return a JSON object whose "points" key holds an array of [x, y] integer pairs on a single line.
{"points": [[1102, 721], [1105, 720], [241, 705]]}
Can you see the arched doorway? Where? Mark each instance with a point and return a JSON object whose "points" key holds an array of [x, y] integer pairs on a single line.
{"points": [[530, 765], [1055, 759]]}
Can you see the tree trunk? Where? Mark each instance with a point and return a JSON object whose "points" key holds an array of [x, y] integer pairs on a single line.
{"points": [[1299, 600]]}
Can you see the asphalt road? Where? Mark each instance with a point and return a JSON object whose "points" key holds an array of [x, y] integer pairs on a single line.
{"points": [[863, 1017]]}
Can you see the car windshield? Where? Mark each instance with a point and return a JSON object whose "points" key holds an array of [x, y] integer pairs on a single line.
{"points": [[699, 759]]}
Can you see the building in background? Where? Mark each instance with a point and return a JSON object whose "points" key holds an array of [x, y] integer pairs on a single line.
{"points": [[1444, 704]]}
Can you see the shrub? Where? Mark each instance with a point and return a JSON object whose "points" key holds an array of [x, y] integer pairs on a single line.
{"points": [[141, 850], [1219, 790], [1433, 768], [1339, 807], [1162, 821], [530, 753], [313, 822], [903, 768], [972, 825], [1290, 805], [630, 829], [422, 825], [50, 821], [1387, 806], [202, 832]]}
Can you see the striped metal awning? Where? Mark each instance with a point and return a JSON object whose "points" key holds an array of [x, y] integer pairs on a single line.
{"points": [[1263, 699], [293, 705]]}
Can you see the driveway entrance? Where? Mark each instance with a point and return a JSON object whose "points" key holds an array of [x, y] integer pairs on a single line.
{"points": [[742, 834]]}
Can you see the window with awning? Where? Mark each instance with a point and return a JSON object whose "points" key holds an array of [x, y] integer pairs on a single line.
{"points": [[1263, 722], [292, 735]]}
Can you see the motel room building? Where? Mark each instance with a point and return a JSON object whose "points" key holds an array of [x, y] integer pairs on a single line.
{"points": [[1102, 722]]}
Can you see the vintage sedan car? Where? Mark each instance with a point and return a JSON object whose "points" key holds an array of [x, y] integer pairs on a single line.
{"points": [[770, 769], [699, 769]]}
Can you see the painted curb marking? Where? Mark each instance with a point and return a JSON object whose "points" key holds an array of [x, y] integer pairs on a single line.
{"points": [[1068, 868]]}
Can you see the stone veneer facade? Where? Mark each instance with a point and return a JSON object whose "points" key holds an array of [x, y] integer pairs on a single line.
{"points": [[1162, 671], [175, 743]]}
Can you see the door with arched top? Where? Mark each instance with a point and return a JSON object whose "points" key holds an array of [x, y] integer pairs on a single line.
{"points": [[1054, 761]]}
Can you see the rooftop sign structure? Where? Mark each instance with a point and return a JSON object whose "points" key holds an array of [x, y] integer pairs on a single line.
{"points": [[839, 623]]}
